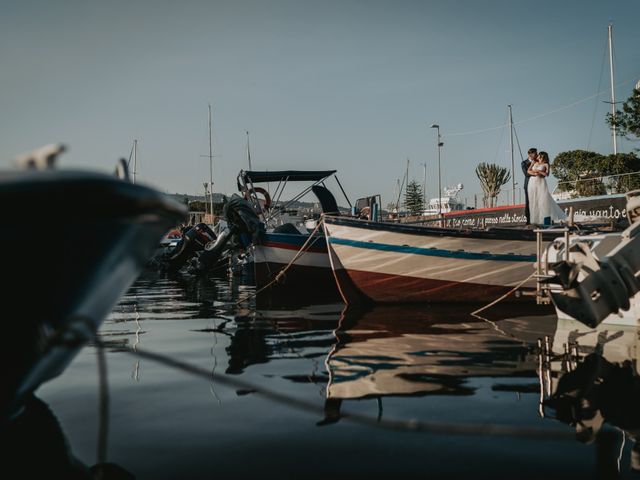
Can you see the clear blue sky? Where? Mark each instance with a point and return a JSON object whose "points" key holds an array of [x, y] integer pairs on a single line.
{"points": [[351, 85]]}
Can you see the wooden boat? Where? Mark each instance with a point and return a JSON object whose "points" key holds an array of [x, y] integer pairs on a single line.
{"points": [[393, 263], [85, 239], [309, 279]]}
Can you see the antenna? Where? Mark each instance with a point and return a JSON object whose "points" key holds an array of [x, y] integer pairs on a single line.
{"points": [[135, 160], [248, 151], [134, 154]]}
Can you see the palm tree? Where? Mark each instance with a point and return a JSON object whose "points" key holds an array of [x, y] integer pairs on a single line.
{"points": [[492, 178]]}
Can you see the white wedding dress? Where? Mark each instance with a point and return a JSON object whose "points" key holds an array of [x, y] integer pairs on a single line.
{"points": [[541, 203]]}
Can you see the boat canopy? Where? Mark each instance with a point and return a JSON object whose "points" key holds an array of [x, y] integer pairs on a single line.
{"points": [[286, 175]]}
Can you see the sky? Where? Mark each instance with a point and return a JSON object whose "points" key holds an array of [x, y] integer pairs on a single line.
{"points": [[351, 85]]}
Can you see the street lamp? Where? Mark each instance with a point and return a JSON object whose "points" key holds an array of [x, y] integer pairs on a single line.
{"points": [[440, 144]]}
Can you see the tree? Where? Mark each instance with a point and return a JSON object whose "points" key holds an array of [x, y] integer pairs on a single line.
{"points": [[413, 199], [580, 172], [492, 177], [627, 120]]}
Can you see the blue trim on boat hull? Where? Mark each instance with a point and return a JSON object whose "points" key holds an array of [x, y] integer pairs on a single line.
{"points": [[434, 252]]}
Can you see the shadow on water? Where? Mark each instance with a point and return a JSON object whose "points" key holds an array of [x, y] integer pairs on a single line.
{"points": [[35, 446], [380, 391]]}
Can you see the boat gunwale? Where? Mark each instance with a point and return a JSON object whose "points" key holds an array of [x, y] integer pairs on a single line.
{"points": [[488, 234]]}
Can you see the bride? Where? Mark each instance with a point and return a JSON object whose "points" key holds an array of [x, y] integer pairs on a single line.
{"points": [[541, 203]]}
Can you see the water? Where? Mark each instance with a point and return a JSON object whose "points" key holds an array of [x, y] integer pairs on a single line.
{"points": [[321, 392]]}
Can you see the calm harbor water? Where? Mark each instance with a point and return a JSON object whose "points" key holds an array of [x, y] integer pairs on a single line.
{"points": [[322, 391]]}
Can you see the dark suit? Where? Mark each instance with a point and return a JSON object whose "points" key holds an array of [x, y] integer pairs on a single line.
{"points": [[525, 166]]}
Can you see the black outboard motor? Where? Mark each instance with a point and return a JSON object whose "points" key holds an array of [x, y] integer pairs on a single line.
{"points": [[241, 219], [193, 241]]}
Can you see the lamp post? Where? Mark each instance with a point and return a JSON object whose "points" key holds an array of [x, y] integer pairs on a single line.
{"points": [[440, 144]]}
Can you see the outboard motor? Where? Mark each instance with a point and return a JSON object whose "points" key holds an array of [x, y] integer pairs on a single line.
{"points": [[193, 241], [242, 221]]}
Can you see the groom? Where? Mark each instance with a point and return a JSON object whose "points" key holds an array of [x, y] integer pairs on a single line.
{"points": [[532, 152]]}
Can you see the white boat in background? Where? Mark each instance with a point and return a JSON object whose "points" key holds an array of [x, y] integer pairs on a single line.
{"points": [[446, 204]]}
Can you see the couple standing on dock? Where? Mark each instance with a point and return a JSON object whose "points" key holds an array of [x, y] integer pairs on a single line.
{"points": [[540, 208]]}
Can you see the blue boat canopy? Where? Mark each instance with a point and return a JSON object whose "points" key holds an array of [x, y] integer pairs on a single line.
{"points": [[286, 175]]}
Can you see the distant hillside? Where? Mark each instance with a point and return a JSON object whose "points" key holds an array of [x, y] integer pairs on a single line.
{"points": [[180, 197]]}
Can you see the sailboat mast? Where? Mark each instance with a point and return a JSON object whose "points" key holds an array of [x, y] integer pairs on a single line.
{"points": [[613, 93], [513, 172], [210, 167]]}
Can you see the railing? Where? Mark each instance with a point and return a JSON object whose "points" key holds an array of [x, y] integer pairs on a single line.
{"points": [[607, 185], [543, 270], [584, 187]]}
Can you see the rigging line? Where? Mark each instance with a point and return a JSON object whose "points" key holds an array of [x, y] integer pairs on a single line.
{"points": [[595, 104], [130, 154], [535, 117], [515, 133], [499, 144]]}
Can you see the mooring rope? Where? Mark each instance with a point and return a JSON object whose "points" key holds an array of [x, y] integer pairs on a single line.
{"points": [[103, 423], [284, 269], [414, 425], [475, 312]]}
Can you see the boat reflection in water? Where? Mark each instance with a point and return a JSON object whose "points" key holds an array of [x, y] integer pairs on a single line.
{"points": [[419, 351], [589, 380]]}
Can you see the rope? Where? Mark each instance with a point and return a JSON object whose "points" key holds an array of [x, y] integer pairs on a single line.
{"points": [[103, 425], [475, 312], [282, 271], [391, 424]]}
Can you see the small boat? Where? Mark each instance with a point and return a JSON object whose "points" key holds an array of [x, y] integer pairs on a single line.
{"points": [[74, 241], [290, 243]]}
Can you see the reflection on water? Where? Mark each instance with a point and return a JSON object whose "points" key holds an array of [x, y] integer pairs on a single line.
{"points": [[416, 351], [505, 395], [589, 379]]}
